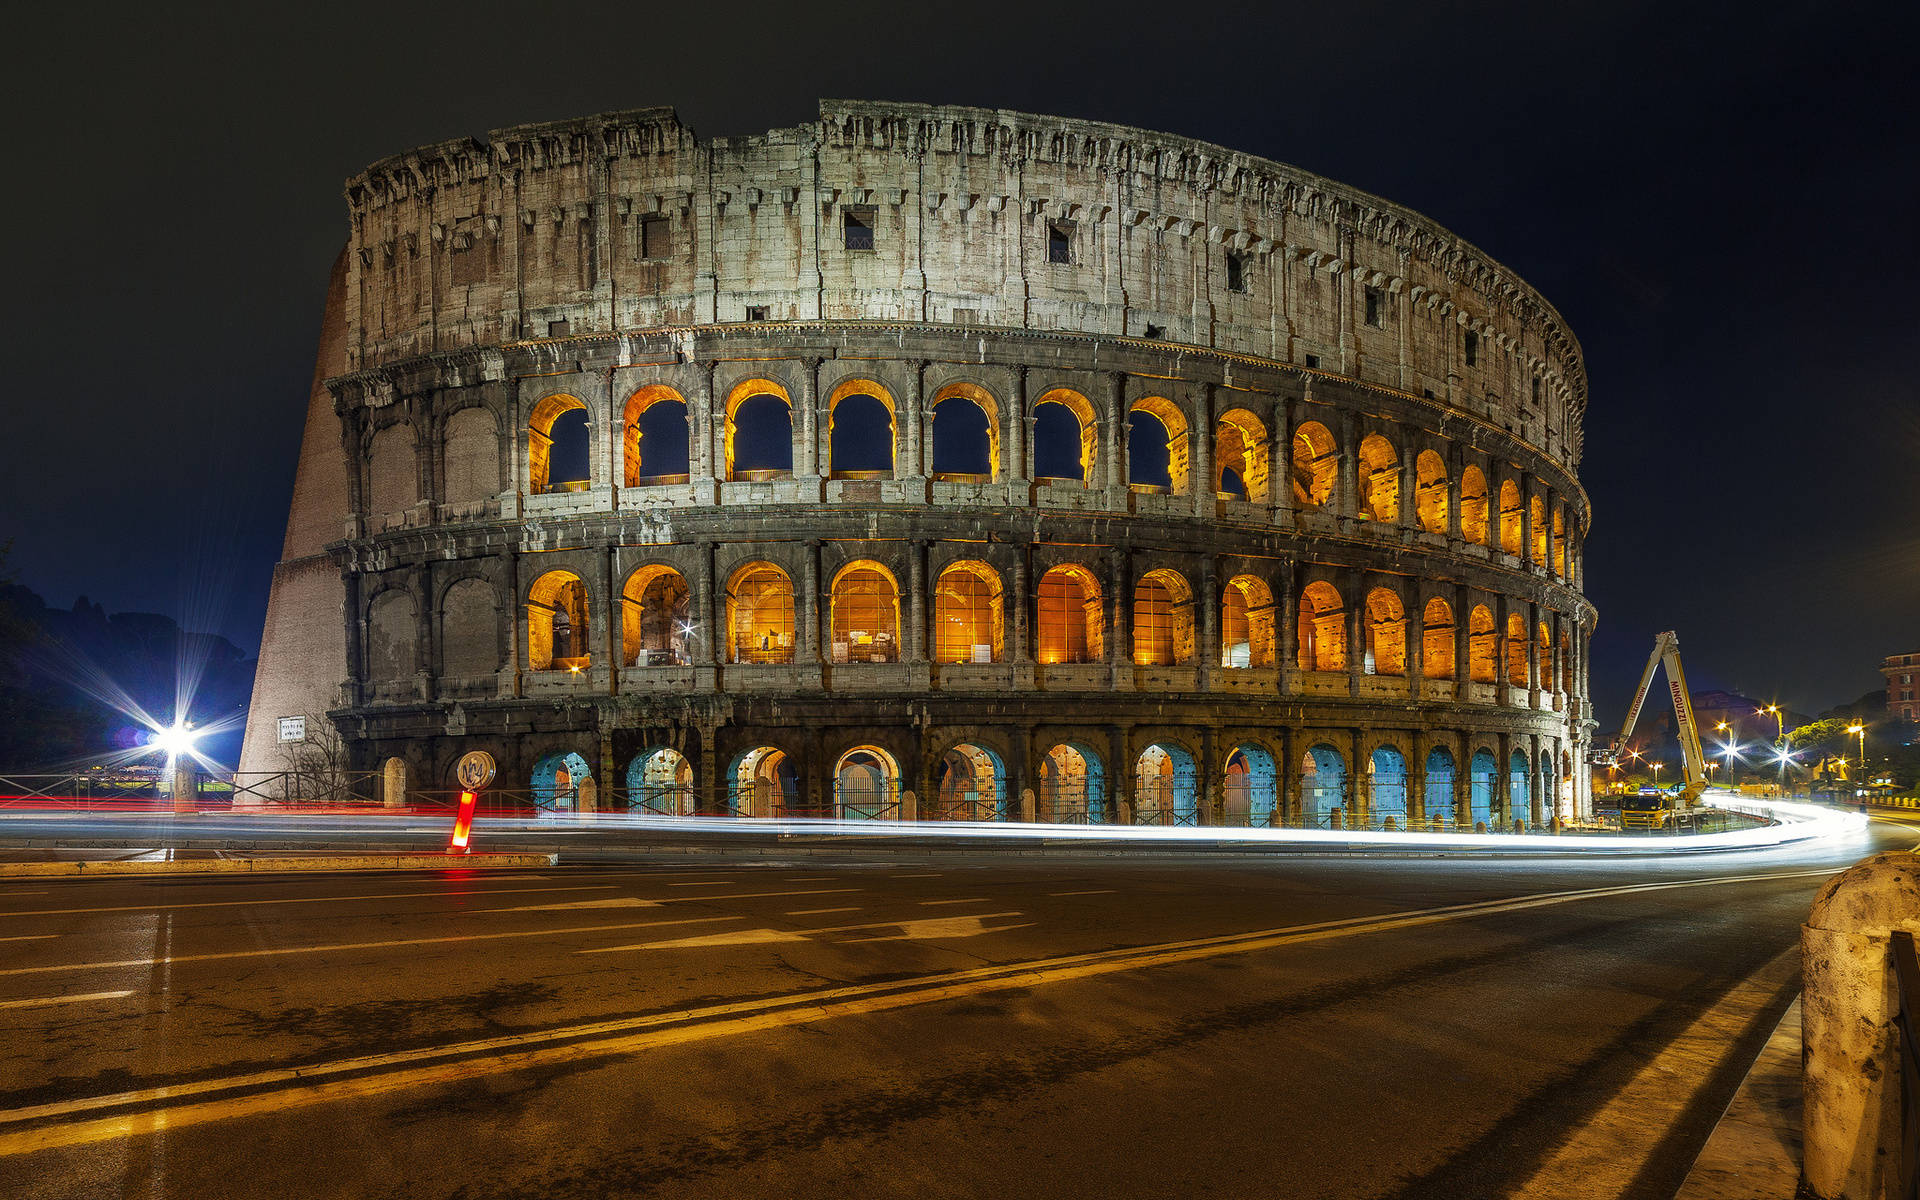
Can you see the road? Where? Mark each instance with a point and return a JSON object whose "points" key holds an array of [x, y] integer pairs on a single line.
{"points": [[940, 1026]]}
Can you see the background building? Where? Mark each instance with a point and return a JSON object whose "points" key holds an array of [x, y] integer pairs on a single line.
{"points": [[940, 462], [1903, 698]]}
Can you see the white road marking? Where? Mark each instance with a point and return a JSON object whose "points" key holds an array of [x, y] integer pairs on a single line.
{"points": [[1102, 892], [929, 875], [282, 951], [817, 912], [812, 879], [44, 1001], [173, 1106], [64, 912], [704, 883], [974, 901], [568, 905], [12, 895], [911, 930], [28, 937]]}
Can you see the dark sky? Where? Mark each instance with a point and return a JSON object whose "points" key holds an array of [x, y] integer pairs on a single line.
{"points": [[1720, 199]]}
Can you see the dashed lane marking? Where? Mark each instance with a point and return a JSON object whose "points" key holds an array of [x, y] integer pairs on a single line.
{"points": [[1101, 892], [912, 929], [977, 900], [44, 1001], [820, 912], [120, 1115]]}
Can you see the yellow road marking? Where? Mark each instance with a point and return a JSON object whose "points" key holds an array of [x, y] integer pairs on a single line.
{"points": [[43, 1001], [374, 1075]]}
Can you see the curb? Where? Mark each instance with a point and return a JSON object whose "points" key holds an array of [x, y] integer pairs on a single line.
{"points": [[264, 866]]}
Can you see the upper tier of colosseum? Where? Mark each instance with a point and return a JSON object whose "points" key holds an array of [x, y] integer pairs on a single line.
{"points": [[973, 217]]}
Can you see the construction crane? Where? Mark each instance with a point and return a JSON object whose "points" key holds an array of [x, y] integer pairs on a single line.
{"points": [[1666, 649]]}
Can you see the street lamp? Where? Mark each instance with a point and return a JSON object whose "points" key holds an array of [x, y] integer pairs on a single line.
{"points": [[1729, 748], [1656, 772], [1860, 731]]}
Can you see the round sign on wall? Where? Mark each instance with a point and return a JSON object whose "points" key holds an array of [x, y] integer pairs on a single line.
{"points": [[475, 770]]}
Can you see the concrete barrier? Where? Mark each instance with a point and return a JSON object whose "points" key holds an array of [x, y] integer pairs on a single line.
{"points": [[1851, 1122]]}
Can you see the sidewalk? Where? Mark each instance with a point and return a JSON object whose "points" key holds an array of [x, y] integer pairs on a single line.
{"points": [[1754, 1152]]}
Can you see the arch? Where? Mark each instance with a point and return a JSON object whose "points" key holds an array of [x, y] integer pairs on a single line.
{"points": [[1251, 785], [1386, 634], [469, 630], [1483, 665], [1240, 447], [559, 452], [1323, 787], [1549, 665], [966, 434], [1162, 619], [1537, 524], [1436, 796], [1430, 491], [1071, 619], [1482, 775], [1379, 479], [970, 784], [559, 636], [1073, 787], [1473, 505], [660, 783], [1165, 790], [1323, 628], [1549, 788], [392, 627], [1157, 446], [1316, 461], [1510, 510], [862, 431], [393, 470], [865, 614], [470, 450], [1436, 640], [1246, 623], [969, 614], [1519, 801], [1516, 650], [654, 618], [1387, 787], [1559, 542], [1060, 450], [556, 780], [866, 785], [656, 440], [761, 782], [759, 432], [760, 614]]}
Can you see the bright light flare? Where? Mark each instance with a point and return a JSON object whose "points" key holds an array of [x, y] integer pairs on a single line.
{"points": [[175, 742]]}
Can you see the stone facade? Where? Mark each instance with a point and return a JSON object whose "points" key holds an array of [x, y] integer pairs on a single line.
{"points": [[1355, 596], [1903, 695]]}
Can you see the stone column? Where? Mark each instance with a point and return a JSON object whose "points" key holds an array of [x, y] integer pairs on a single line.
{"points": [[1286, 629], [916, 638], [707, 609], [1456, 467], [1356, 600], [1114, 418], [1462, 642], [1206, 651], [806, 459], [1503, 780], [1119, 777], [1200, 461], [1280, 463], [808, 651], [700, 406], [911, 463], [610, 616], [1527, 560], [1416, 642], [1534, 680], [1018, 608], [1120, 643], [1208, 798], [1346, 485]]}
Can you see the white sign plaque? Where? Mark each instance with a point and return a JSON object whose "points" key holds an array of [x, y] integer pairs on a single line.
{"points": [[293, 729]]}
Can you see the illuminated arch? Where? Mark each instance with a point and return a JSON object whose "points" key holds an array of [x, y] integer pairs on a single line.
{"points": [[1483, 664], [559, 635], [1165, 786], [1143, 416], [761, 782], [870, 422], [1516, 650], [654, 620], [1250, 786], [1316, 462], [1072, 622], [1387, 787], [1323, 786], [866, 785], [665, 412], [759, 412], [970, 403], [970, 784], [1087, 430], [1436, 640], [1386, 627], [1072, 785], [1430, 491], [1162, 619], [968, 614], [1437, 793], [1510, 520], [1240, 447], [865, 614], [1246, 623], [1537, 520], [1483, 777], [1549, 665], [1473, 505], [1559, 542], [1379, 479], [660, 783], [1322, 628], [556, 781], [759, 614], [541, 437]]}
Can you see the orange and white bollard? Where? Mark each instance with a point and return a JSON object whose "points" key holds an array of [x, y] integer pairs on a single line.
{"points": [[463, 824]]}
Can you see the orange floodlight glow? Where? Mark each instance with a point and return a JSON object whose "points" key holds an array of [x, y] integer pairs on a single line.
{"points": [[463, 823]]}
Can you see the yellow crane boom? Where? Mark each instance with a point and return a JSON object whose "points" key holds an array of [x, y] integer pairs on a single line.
{"points": [[1666, 650]]}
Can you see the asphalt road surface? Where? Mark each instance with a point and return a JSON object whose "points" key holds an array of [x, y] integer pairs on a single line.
{"points": [[941, 1026]]}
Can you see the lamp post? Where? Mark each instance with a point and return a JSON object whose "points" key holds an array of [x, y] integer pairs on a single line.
{"points": [[1728, 747], [1860, 731], [1780, 739], [1656, 772]]}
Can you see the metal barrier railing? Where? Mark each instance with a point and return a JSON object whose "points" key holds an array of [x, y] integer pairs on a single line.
{"points": [[1906, 977]]}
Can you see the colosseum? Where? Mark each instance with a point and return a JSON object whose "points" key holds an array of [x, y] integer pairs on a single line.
{"points": [[933, 463]]}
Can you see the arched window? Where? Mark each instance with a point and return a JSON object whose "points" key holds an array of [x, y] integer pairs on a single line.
{"points": [[654, 624], [391, 634], [1250, 786], [1162, 620], [1510, 510], [1437, 795], [1559, 541], [1430, 491], [556, 782], [1316, 461], [866, 614], [1387, 787], [1473, 505], [1072, 786], [1537, 521], [1379, 479], [558, 453], [1386, 634], [660, 783], [1516, 650], [1071, 620], [655, 448], [1483, 786], [1165, 787], [1323, 786], [1246, 623], [469, 632], [1436, 643], [866, 785], [1157, 451], [1323, 628], [970, 784], [860, 431], [1066, 437], [393, 471], [760, 614], [1549, 667], [966, 434], [1240, 456], [761, 782], [472, 453], [558, 635], [968, 614], [1483, 665], [759, 431]]}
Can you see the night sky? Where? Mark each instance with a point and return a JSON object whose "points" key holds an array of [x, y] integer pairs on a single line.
{"points": [[1721, 200]]}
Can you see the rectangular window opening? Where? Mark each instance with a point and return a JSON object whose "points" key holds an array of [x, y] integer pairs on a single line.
{"points": [[1313, 362], [559, 328], [1473, 348], [756, 312], [1373, 308], [1060, 241], [857, 220], [1236, 272], [655, 238]]}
